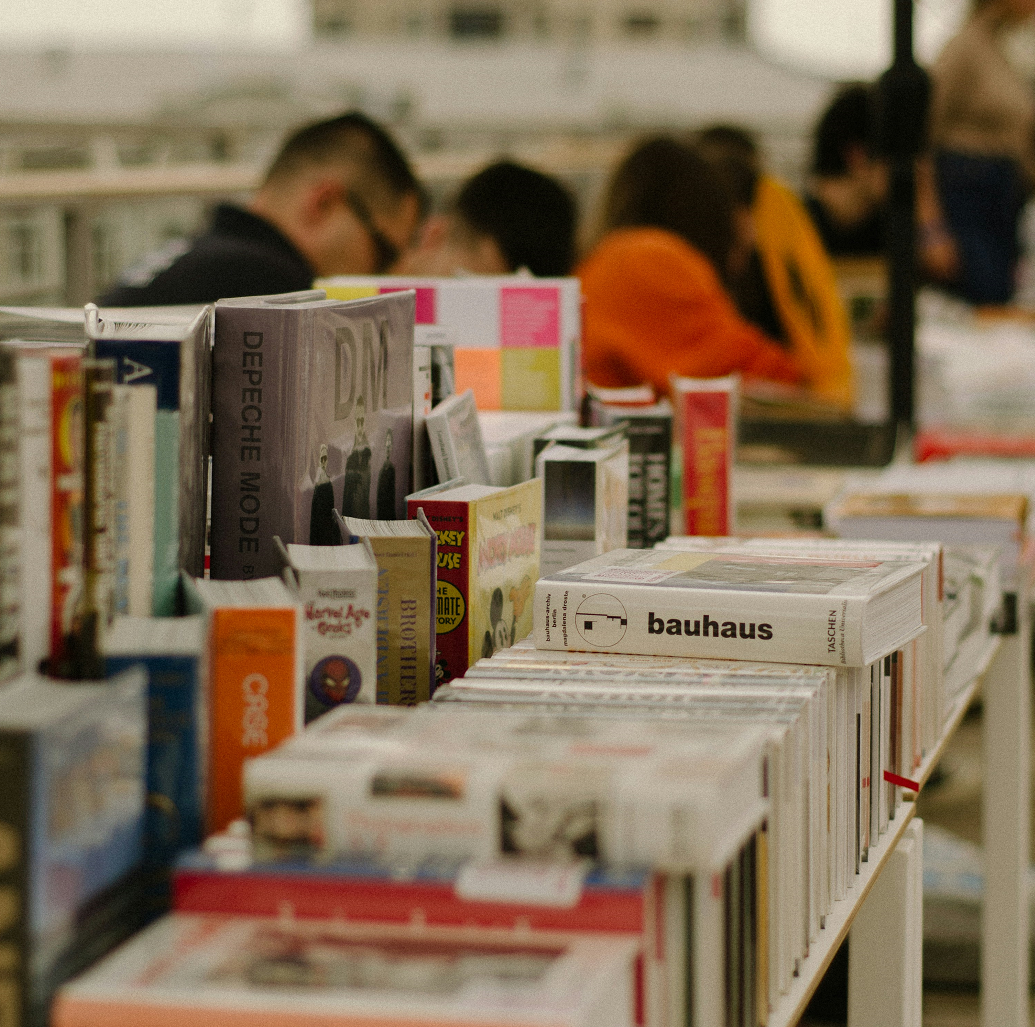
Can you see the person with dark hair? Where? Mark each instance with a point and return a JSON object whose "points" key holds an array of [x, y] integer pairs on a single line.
{"points": [[782, 279], [339, 198], [506, 218], [983, 133], [653, 285]]}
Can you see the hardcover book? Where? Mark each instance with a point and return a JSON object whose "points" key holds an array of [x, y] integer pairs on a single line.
{"points": [[312, 413], [585, 502], [253, 641], [648, 428], [173, 355], [405, 618], [488, 562], [706, 435], [172, 651], [193, 971], [731, 605], [337, 589], [516, 340], [71, 814]]}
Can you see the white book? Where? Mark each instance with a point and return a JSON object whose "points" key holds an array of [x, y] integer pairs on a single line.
{"points": [[336, 587], [194, 971], [732, 605], [516, 431], [456, 440]]}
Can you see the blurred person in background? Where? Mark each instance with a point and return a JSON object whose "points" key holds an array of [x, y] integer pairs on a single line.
{"points": [[655, 299], [506, 218], [848, 190], [781, 277], [339, 198], [983, 133]]}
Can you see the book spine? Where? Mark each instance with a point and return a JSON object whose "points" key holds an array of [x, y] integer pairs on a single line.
{"points": [[10, 536], [66, 501], [451, 522], [139, 474], [708, 435], [254, 698], [194, 444], [174, 814], [34, 384], [15, 854], [423, 463], [639, 619], [123, 484], [249, 422], [158, 364]]}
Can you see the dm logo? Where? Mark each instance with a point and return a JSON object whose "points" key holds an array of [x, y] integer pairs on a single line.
{"points": [[601, 620]]}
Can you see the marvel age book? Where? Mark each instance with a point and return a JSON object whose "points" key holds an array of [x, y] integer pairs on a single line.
{"points": [[312, 413]]}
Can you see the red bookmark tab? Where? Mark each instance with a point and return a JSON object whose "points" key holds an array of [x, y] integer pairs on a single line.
{"points": [[902, 782]]}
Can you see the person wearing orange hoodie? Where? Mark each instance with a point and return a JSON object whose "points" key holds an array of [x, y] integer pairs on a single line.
{"points": [[655, 303]]}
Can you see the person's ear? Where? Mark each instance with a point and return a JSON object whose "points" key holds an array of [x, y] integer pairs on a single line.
{"points": [[322, 198]]}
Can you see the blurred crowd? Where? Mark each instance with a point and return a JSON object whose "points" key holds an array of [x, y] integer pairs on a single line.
{"points": [[698, 260]]}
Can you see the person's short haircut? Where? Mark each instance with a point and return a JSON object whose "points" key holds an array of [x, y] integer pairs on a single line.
{"points": [[664, 183], [350, 137], [845, 123], [733, 152], [530, 216]]}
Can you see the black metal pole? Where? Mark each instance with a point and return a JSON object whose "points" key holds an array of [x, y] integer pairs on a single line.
{"points": [[902, 99]]}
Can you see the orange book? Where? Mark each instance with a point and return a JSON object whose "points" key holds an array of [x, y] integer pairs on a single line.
{"points": [[254, 681]]}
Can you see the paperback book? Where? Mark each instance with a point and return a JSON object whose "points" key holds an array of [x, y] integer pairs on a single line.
{"points": [[312, 413], [488, 563], [456, 440]]}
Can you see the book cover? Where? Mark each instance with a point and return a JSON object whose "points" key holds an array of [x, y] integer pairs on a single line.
{"points": [[312, 413], [585, 502], [10, 517], [337, 589], [649, 431], [423, 462], [405, 552], [71, 811], [171, 650], [706, 422], [489, 543], [173, 355], [516, 340], [188, 971], [253, 636], [731, 605], [456, 441]]}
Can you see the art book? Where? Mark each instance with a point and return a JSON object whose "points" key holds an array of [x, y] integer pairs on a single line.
{"points": [[196, 971], [731, 605], [312, 413], [489, 543], [516, 340], [174, 355]]}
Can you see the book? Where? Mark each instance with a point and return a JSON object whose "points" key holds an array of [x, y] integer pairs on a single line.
{"points": [[440, 351], [423, 462], [585, 502], [469, 783], [456, 440], [488, 561], [312, 413], [405, 552], [253, 671], [649, 431], [189, 971], [578, 436], [134, 409], [509, 438], [516, 340], [71, 811], [172, 352], [537, 899], [11, 656], [172, 652], [706, 423], [732, 606], [337, 589]]}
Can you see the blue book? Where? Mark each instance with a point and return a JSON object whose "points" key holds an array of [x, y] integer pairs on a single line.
{"points": [[171, 651], [171, 351], [71, 819]]}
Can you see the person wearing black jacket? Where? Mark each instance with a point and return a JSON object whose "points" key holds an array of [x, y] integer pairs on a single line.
{"points": [[340, 198]]}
